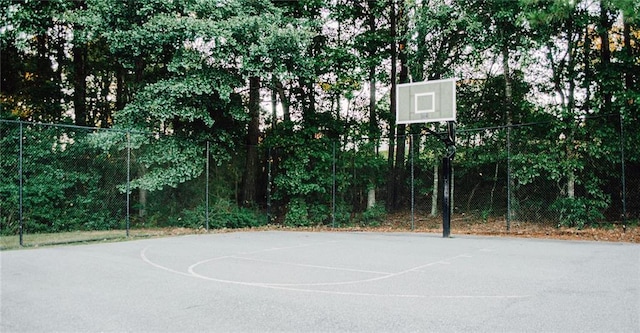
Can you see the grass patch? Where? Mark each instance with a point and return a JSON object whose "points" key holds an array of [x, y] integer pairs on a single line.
{"points": [[75, 237]]}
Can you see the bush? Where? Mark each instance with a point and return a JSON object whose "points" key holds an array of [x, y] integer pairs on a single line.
{"points": [[225, 214], [319, 214], [343, 215], [373, 216], [297, 214], [222, 214], [102, 221], [578, 212]]}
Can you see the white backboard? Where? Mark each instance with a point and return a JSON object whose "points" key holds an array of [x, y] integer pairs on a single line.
{"points": [[426, 101]]}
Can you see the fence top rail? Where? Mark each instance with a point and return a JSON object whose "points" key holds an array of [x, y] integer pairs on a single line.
{"points": [[364, 137], [12, 121]]}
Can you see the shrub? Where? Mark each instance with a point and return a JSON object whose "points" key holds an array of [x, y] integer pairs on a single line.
{"points": [[297, 214], [343, 215], [373, 216], [319, 214], [577, 212], [222, 214]]}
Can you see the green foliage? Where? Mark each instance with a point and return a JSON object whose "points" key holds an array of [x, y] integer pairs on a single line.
{"points": [[372, 217], [305, 166], [319, 214], [297, 214], [170, 162], [9, 186], [343, 214], [179, 71], [361, 169], [197, 55], [440, 27], [222, 214], [578, 212], [31, 88], [64, 182], [485, 214]]}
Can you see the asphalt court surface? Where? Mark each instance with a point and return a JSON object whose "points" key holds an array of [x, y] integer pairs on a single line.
{"points": [[330, 282]]}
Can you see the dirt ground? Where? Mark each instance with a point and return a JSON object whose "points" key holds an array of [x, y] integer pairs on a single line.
{"points": [[464, 226]]}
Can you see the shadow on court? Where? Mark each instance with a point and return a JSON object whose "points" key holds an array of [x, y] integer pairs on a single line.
{"points": [[299, 281]]}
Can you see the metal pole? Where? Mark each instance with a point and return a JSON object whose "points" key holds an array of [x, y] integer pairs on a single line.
{"points": [[508, 178], [206, 190], [411, 140], [624, 178], [333, 190], [269, 160], [447, 166], [128, 219], [446, 188], [21, 229]]}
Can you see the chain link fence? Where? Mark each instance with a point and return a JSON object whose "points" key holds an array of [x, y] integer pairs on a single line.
{"points": [[569, 176], [54, 181], [58, 178]]}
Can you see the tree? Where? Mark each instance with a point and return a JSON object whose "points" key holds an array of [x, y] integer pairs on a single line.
{"points": [[33, 39], [439, 35], [193, 71], [191, 60]]}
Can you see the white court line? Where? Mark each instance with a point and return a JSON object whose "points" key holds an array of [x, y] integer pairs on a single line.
{"points": [[143, 255], [290, 287], [192, 271]]}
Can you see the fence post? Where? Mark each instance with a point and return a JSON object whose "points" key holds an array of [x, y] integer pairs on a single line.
{"points": [[434, 193], [446, 196], [333, 190], [269, 160], [128, 218], [206, 191], [624, 178], [21, 228], [508, 178], [411, 141]]}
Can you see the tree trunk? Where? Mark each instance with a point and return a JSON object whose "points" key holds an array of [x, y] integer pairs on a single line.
{"points": [[508, 89], [391, 181], [571, 185], [373, 118], [10, 70], [142, 193], [398, 169], [80, 84], [628, 52], [251, 167], [493, 188], [587, 70], [274, 103], [508, 94], [121, 96], [571, 105], [44, 78], [371, 198], [605, 58]]}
